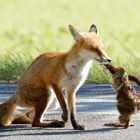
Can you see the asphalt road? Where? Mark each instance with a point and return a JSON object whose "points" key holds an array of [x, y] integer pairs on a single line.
{"points": [[95, 107]]}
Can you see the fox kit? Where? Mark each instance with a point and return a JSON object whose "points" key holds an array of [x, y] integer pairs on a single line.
{"points": [[128, 102], [53, 73]]}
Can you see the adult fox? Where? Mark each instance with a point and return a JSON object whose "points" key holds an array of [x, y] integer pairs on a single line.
{"points": [[55, 72]]}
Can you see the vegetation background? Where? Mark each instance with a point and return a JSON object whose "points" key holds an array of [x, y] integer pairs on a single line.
{"points": [[30, 27]]}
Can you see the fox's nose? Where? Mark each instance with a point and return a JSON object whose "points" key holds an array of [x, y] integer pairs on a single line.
{"points": [[109, 60]]}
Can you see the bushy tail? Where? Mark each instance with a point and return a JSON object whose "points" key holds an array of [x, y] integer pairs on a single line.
{"points": [[7, 111]]}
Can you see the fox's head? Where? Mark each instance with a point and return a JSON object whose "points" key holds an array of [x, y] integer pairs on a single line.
{"points": [[90, 44]]}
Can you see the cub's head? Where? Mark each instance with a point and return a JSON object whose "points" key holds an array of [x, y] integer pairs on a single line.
{"points": [[90, 44], [119, 75]]}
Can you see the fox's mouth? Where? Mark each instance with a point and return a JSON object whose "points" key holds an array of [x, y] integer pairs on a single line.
{"points": [[98, 60], [103, 61]]}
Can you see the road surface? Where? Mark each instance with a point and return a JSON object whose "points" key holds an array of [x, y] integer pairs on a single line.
{"points": [[96, 105]]}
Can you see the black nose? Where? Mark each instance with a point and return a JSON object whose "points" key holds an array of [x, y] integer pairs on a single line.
{"points": [[109, 60]]}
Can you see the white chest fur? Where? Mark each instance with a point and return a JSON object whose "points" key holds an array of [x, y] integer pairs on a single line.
{"points": [[77, 73]]}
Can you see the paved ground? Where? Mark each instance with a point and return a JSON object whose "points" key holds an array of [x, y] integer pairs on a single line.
{"points": [[95, 106]]}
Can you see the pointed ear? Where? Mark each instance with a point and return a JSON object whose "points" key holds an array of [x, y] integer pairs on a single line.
{"points": [[93, 28], [75, 33]]}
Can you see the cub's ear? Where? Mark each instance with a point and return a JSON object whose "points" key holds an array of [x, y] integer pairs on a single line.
{"points": [[75, 33], [93, 28]]}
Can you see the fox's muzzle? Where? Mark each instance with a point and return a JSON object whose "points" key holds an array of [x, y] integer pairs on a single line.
{"points": [[106, 60]]}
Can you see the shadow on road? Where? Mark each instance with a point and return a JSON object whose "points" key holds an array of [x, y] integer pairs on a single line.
{"points": [[28, 131]]}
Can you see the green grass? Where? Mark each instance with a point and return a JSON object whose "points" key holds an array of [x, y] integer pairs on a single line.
{"points": [[30, 27]]}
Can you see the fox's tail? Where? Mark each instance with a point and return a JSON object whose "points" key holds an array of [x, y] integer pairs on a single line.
{"points": [[7, 111]]}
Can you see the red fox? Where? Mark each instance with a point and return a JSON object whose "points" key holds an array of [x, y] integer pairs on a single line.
{"points": [[50, 75], [128, 101]]}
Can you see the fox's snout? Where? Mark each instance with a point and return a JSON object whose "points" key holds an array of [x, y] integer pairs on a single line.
{"points": [[106, 60], [109, 60], [103, 59]]}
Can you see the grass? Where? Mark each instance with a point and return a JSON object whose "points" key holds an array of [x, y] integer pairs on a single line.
{"points": [[30, 27]]}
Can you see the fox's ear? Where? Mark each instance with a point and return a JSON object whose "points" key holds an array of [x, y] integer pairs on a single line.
{"points": [[75, 33], [93, 28]]}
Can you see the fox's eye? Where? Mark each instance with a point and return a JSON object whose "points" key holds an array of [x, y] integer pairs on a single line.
{"points": [[95, 49]]}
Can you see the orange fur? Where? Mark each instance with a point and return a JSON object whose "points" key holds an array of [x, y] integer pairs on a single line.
{"points": [[57, 72]]}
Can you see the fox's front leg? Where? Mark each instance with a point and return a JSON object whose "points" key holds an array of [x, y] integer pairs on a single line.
{"points": [[72, 110], [62, 102]]}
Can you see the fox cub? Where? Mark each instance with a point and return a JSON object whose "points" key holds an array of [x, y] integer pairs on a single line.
{"points": [[128, 101]]}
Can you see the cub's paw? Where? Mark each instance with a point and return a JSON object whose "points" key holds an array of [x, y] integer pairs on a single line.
{"points": [[117, 124]]}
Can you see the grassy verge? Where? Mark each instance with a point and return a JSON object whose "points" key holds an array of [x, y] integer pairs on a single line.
{"points": [[28, 28]]}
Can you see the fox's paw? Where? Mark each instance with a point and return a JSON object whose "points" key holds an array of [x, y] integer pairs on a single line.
{"points": [[64, 117], [57, 123], [49, 123], [79, 127]]}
